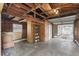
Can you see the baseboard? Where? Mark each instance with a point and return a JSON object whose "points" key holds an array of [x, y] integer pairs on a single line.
{"points": [[16, 41]]}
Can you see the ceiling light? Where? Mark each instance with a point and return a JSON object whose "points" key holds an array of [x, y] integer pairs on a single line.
{"points": [[56, 11]]}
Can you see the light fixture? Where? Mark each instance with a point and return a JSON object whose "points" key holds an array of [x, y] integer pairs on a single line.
{"points": [[56, 11]]}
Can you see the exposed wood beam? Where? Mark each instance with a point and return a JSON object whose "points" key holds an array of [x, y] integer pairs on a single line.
{"points": [[22, 6], [34, 15], [74, 12], [31, 10], [24, 16], [32, 5], [21, 19], [65, 7], [43, 11], [75, 7], [16, 7], [46, 7], [40, 6], [60, 5], [33, 19], [7, 16], [19, 5], [35, 9], [12, 17], [9, 6], [39, 14]]}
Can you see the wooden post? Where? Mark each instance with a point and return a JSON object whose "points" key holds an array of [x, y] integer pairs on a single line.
{"points": [[29, 31], [1, 6], [42, 32], [46, 31], [76, 30]]}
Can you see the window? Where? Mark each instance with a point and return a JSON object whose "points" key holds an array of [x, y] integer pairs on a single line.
{"points": [[17, 28]]}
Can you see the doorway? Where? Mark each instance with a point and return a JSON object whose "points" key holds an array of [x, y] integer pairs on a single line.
{"points": [[66, 31], [20, 32]]}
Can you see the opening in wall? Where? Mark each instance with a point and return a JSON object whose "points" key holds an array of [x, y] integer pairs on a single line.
{"points": [[17, 29]]}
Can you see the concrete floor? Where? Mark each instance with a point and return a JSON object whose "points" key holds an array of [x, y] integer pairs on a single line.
{"points": [[54, 47]]}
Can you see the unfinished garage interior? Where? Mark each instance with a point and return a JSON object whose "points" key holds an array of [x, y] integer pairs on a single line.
{"points": [[40, 29]]}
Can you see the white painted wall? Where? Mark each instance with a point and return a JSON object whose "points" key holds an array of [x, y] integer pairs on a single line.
{"points": [[48, 31], [66, 30], [63, 20]]}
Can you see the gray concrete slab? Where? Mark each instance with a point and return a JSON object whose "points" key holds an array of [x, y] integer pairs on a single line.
{"points": [[54, 47]]}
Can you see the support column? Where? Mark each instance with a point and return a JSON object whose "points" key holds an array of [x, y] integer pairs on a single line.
{"points": [[46, 30], [42, 32], [76, 30], [29, 31]]}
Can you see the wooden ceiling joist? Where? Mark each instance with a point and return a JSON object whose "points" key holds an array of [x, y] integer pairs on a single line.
{"points": [[39, 5], [73, 12], [48, 10], [61, 5], [46, 7], [32, 5], [39, 14], [43, 11], [19, 5]]}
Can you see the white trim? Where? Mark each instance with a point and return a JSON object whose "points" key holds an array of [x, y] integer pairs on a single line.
{"points": [[77, 42]]}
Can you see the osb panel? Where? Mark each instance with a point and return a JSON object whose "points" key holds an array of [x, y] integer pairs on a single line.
{"points": [[42, 32], [6, 26], [17, 35]]}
